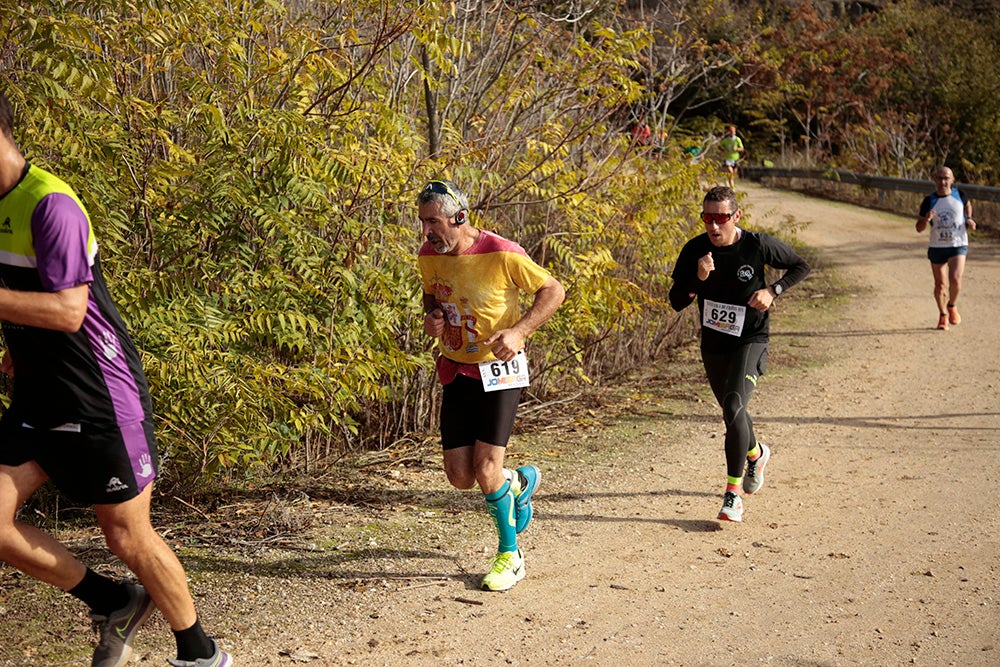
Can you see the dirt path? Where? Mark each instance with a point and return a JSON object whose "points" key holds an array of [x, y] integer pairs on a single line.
{"points": [[874, 543]]}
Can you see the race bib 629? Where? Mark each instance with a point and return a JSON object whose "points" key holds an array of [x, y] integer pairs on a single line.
{"points": [[724, 317]]}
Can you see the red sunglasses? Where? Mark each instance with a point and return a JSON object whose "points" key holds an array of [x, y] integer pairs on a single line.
{"points": [[716, 218]]}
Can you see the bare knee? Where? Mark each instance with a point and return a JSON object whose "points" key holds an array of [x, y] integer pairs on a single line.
{"points": [[17, 484], [461, 479], [128, 541], [489, 474], [120, 542]]}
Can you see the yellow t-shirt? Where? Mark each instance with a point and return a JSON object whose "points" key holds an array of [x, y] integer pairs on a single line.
{"points": [[478, 292]]}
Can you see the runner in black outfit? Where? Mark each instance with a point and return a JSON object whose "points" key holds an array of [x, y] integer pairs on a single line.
{"points": [[724, 269]]}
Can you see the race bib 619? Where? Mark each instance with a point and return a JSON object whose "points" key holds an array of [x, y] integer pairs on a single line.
{"points": [[498, 374]]}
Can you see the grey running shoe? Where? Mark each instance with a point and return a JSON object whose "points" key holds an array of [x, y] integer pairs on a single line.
{"points": [[753, 481], [219, 659], [119, 628], [732, 507]]}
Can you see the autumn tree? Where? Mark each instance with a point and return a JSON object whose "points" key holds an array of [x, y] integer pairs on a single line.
{"points": [[947, 88], [822, 74]]}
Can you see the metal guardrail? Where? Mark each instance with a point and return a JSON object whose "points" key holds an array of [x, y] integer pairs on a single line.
{"points": [[979, 192]]}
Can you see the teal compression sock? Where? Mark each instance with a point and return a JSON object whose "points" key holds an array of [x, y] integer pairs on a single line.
{"points": [[501, 508]]}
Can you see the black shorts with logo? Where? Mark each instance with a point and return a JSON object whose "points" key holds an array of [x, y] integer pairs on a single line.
{"points": [[89, 464]]}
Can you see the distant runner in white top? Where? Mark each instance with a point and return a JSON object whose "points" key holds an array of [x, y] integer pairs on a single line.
{"points": [[949, 213]]}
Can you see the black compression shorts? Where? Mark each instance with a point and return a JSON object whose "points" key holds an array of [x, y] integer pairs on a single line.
{"points": [[468, 413]]}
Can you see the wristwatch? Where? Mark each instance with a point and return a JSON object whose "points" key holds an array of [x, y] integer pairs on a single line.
{"points": [[778, 289]]}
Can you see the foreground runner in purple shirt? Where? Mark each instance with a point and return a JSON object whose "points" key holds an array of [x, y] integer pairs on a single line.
{"points": [[80, 415]]}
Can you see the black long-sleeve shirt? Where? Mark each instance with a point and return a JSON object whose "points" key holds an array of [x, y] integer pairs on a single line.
{"points": [[728, 321]]}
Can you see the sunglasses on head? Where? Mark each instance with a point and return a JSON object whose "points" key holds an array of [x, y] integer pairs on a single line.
{"points": [[441, 188], [716, 218]]}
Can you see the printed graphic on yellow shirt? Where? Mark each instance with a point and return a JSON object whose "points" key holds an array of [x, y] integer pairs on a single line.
{"points": [[459, 327], [478, 292]]}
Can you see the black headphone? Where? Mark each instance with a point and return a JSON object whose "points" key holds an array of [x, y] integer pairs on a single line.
{"points": [[460, 218]]}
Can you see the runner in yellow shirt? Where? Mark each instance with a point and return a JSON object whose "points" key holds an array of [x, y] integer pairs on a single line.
{"points": [[471, 282]]}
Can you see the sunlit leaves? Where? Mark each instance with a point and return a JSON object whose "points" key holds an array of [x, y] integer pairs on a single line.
{"points": [[251, 167]]}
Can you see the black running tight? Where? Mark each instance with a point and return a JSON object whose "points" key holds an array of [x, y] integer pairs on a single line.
{"points": [[733, 377]]}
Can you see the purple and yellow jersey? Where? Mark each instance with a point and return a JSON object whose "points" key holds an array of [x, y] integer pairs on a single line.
{"points": [[91, 376], [478, 292]]}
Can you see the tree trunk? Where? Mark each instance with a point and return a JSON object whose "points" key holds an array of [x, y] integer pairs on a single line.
{"points": [[430, 101]]}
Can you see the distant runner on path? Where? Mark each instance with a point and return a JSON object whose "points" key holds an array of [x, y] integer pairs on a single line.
{"points": [[732, 151], [724, 269], [949, 213]]}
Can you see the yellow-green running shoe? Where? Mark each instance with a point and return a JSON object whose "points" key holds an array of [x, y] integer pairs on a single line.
{"points": [[507, 569]]}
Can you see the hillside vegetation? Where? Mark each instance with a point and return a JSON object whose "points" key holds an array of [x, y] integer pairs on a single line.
{"points": [[251, 168]]}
